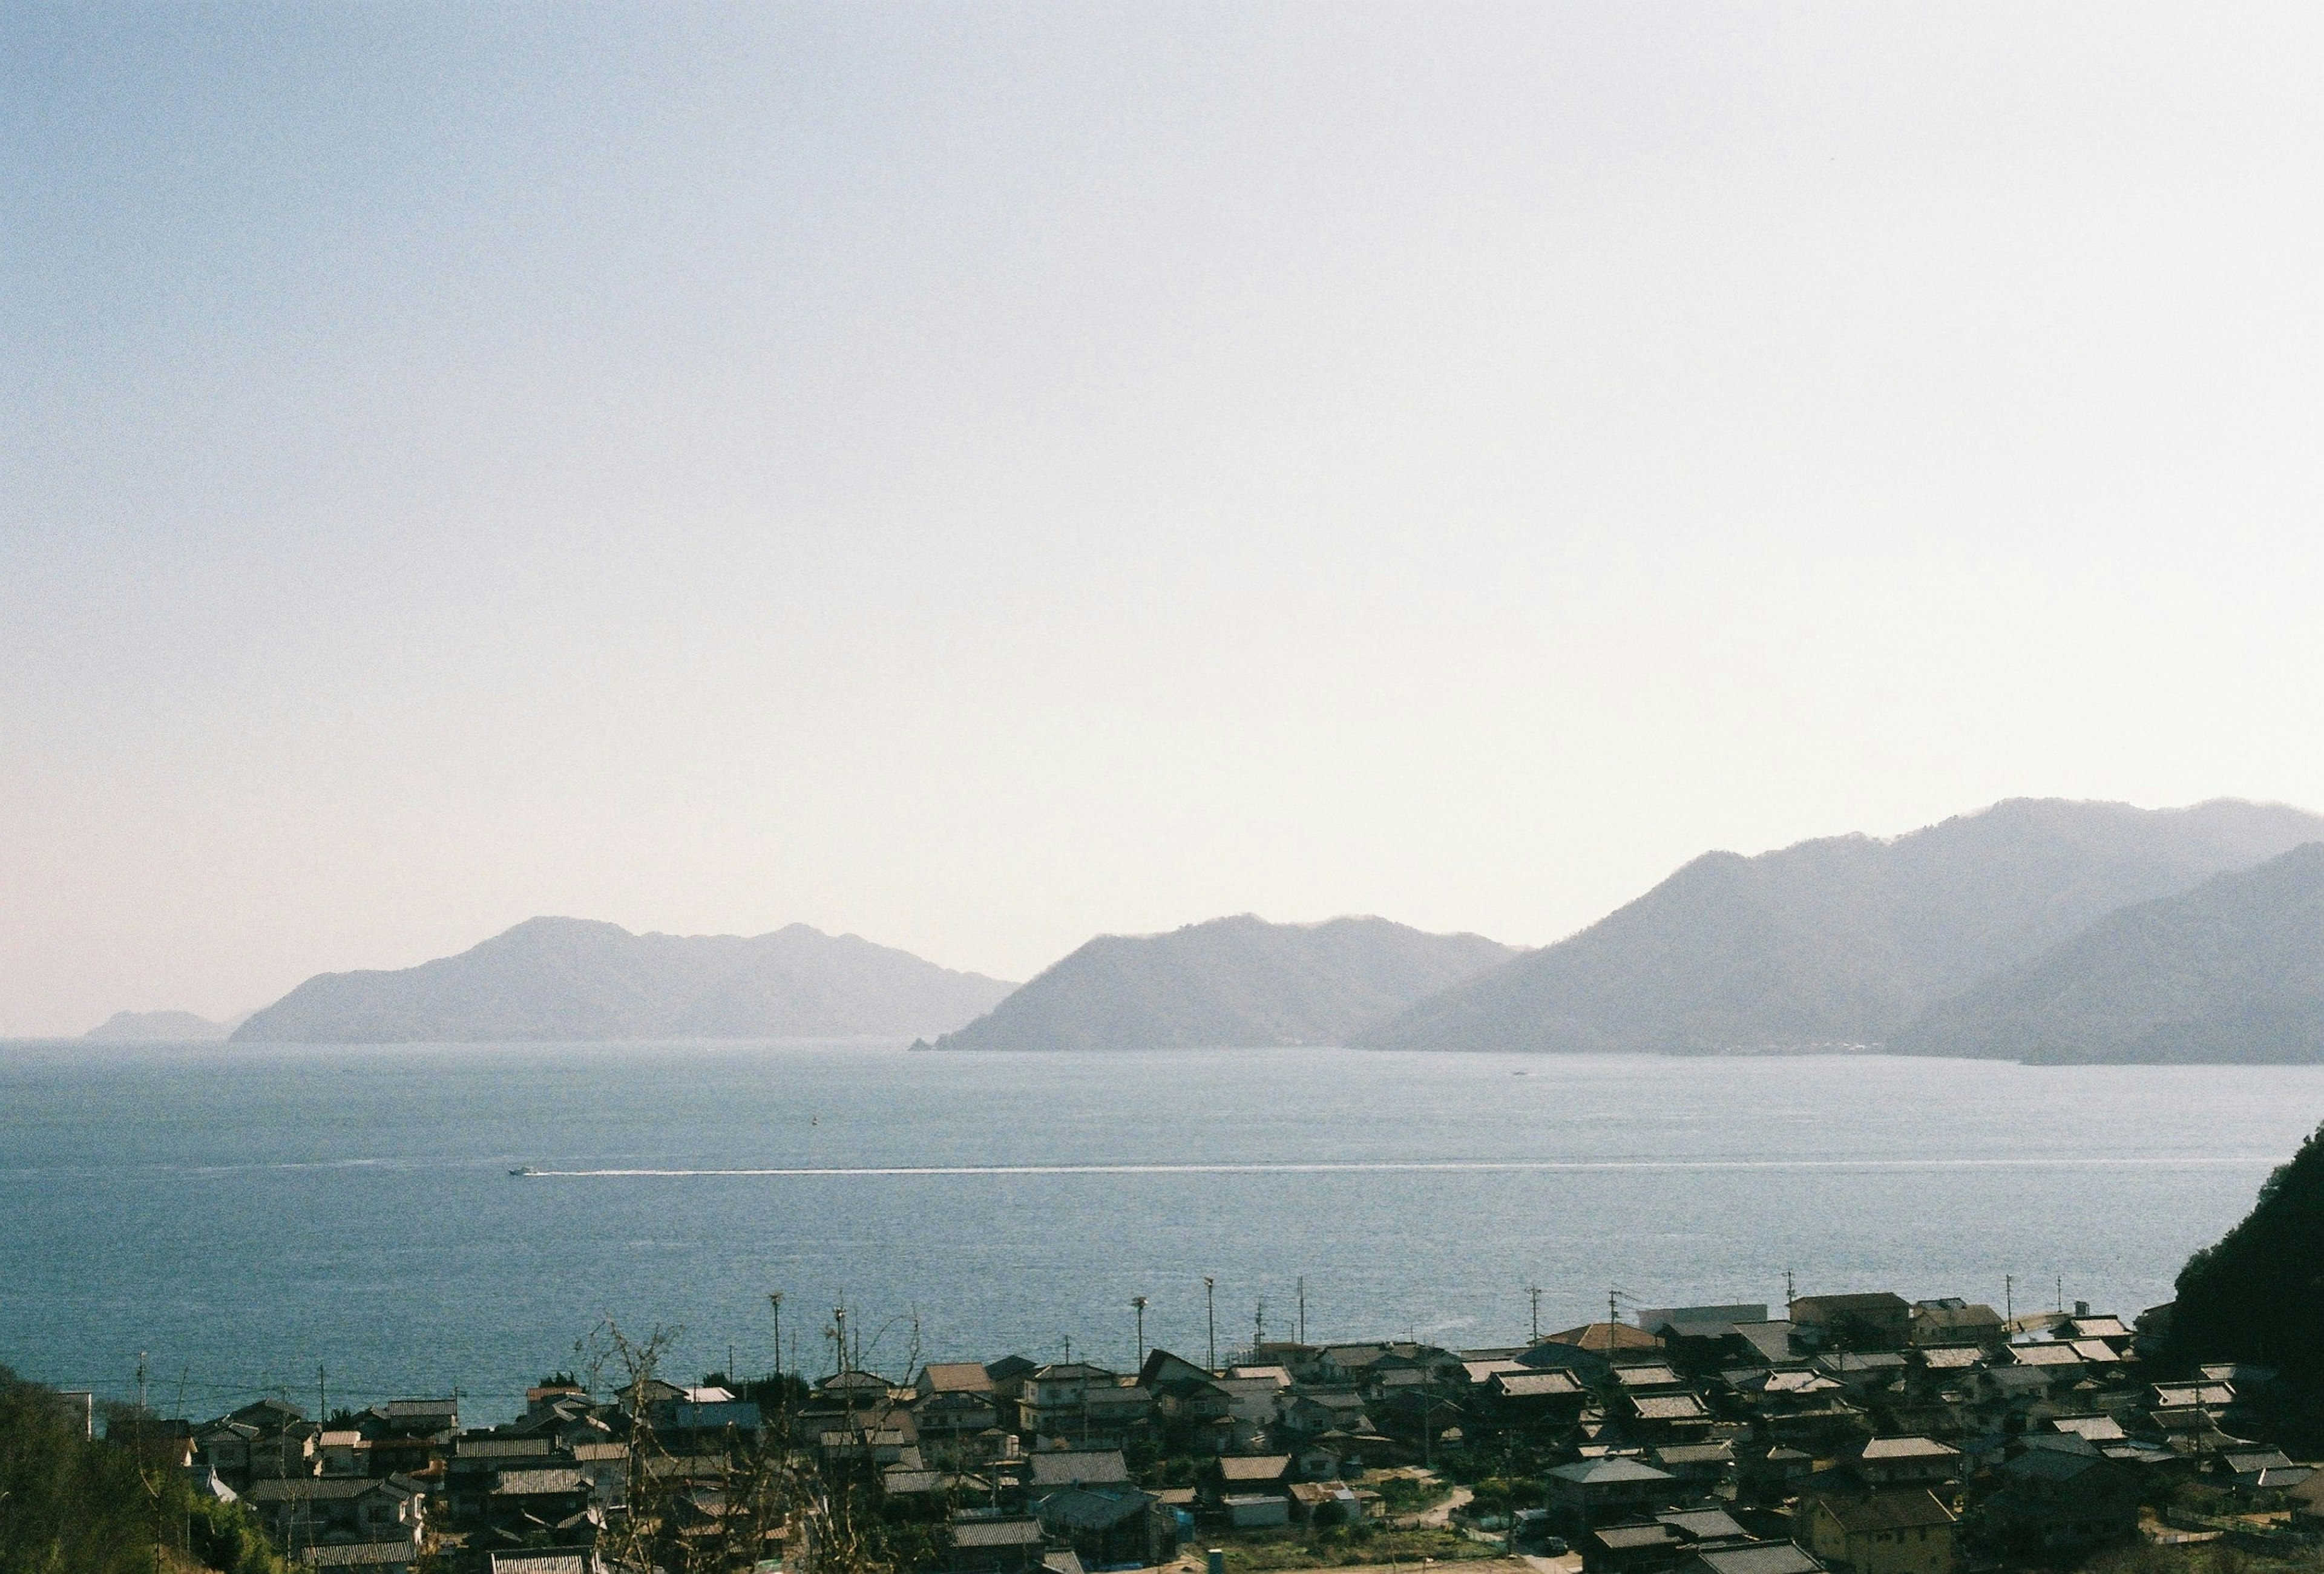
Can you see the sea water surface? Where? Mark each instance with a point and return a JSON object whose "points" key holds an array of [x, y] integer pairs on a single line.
{"points": [[243, 1215]]}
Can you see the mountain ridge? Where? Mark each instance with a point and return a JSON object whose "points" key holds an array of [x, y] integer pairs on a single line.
{"points": [[1237, 981], [2230, 973], [578, 979], [1841, 940]]}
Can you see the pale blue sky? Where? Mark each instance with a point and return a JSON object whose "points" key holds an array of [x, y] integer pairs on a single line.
{"points": [[976, 476]]}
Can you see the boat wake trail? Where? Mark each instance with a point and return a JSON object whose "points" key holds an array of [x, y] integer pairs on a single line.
{"points": [[1413, 1166]]}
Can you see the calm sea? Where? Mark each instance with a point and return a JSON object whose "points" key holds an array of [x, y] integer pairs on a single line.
{"points": [[243, 1215]]}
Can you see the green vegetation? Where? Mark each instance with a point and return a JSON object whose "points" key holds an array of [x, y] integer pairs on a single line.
{"points": [[1332, 1548], [2257, 1294], [72, 1505]]}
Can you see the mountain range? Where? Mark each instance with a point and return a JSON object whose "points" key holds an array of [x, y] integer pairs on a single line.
{"points": [[1844, 941], [2231, 970], [2035, 929], [551, 978], [1240, 980], [161, 1028]]}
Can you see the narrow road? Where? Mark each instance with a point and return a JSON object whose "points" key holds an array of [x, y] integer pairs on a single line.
{"points": [[1438, 1517]]}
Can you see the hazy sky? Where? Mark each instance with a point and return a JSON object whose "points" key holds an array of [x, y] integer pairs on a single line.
{"points": [[980, 475]]}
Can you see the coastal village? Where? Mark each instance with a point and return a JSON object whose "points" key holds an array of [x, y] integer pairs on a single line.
{"points": [[1860, 1433]]}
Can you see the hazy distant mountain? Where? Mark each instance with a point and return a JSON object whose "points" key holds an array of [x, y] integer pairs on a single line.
{"points": [[1231, 981], [161, 1028], [1844, 940], [572, 979], [2231, 970]]}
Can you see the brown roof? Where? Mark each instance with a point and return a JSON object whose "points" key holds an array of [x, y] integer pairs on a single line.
{"points": [[1887, 1510], [956, 1377], [1607, 1336], [1907, 1449], [1254, 1466], [996, 1532]]}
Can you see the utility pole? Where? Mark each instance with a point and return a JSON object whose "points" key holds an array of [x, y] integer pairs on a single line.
{"points": [[839, 1335], [1533, 1292], [1138, 1305], [1211, 1316], [1303, 1309], [2062, 1295], [775, 1299], [1069, 1350], [1791, 1292], [322, 1405], [1258, 1329], [2009, 1297]]}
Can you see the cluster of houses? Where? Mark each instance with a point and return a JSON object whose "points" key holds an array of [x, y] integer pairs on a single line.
{"points": [[1860, 1434]]}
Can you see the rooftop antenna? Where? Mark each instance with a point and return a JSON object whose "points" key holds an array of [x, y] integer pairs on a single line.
{"points": [[1791, 1292], [775, 1299], [1211, 1316], [1533, 1293], [1069, 1350], [1303, 1309], [1258, 1329], [1138, 1306], [2009, 1297], [2062, 1295]]}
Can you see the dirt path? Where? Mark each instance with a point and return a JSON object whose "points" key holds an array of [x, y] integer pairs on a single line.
{"points": [[1438, 1517]]}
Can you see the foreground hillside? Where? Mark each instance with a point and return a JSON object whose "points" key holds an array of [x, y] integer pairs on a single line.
{"points": [[1845, 940], [571, 979], [1230, 981], [70, 1503], [2257, 1294], [2231, 970]]}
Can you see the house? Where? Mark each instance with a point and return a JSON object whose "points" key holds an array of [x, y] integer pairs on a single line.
{"points": [[343, 1451], [1679, 1417], [529, 1499], [1883, 1462], [1644, 1545], [607, 1467], [1108, 1526], [1250, 1473], [1877, 1322], [476, 1462], [954, 1403], [1189, 1404], [1954, 1321], [1072, 1399], [398, 1557], [1321, 1415], [2053, 1502], [1700, 1466], [1754, 1558], [1254, 1510], [1767, 1473], [1526, 1397], [1661, 1319], [1593, 1492], [543, 1563], [981, 1545], [1862, 1372], [1629, 1547], [1050, 1470], [2269, 1469], [314, 1509], [1606, 1339], [1881, 1532]]}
